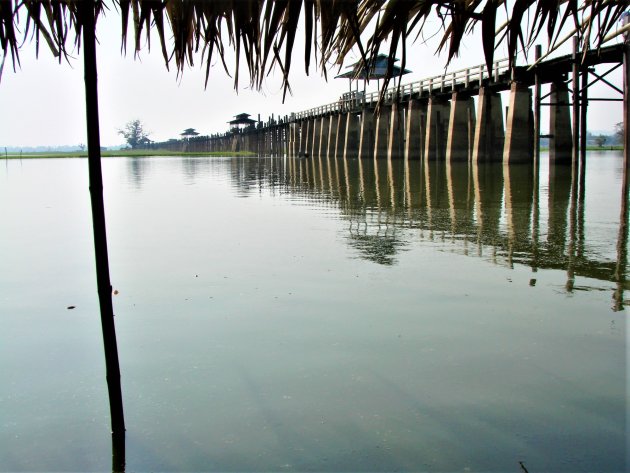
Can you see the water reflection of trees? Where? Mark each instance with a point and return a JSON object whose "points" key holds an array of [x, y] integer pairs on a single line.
{"points": [[486, 210], [137, 168]]}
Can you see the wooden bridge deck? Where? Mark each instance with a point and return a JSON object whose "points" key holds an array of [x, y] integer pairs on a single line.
{"points": [[469, 81]]}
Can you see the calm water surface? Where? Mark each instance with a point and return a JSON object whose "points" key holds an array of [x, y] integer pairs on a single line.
{"points": [[322, 315]]}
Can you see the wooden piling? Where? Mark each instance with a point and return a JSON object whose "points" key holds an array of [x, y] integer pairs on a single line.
{"points": [[414, 138], [457, 135], [351, 140], [561, 140], [519, 129], [537, 94], [340, 135], [575, 119], [381, 134], [489, 132], [366, 139], [438, 113], [394, 142]]}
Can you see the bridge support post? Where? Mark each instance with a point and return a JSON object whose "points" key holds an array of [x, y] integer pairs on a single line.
{"points": [[560, 142], [340, 135], [414, 133], [519, 129], [322, 146], [395, 141], [457, 140], [351, 140], [438, 113], [290, 139], [303, 137], [382, 131], [332, 135], [488, 142], [366, 140], [314, 137]]}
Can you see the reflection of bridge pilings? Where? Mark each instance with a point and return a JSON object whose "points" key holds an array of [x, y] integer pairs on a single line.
{"points": [[559, 194], [488, 185], [519, 199], [493, 206], [460, 197]]}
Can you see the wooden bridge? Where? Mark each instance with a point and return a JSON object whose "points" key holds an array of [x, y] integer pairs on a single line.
{"points": [[436, 118]]}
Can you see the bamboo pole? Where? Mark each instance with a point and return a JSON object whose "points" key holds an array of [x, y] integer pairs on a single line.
{"points": [[537, 94], [98, 221], [576, 102], [583, 124], [626, 104]]}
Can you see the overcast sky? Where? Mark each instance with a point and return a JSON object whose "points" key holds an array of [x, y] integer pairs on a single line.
{"points": [[42, 103]]}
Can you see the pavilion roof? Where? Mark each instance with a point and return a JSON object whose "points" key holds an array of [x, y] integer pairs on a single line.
{"points": [[242, 119], [378, 70]]}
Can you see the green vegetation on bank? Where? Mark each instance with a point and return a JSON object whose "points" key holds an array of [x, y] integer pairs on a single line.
{"points": [[145, 153], [124, 153]]}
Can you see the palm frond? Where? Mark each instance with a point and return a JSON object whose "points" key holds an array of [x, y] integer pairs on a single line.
{"points": [[263, 32]]}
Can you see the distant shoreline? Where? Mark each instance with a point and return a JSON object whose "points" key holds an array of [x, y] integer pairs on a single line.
{"points": [[140, 153], [144, 153]]}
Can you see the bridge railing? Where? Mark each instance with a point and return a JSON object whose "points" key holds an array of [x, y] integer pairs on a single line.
{"points": [[354, 100]]}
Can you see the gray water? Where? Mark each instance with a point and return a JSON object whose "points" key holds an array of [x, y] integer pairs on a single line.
{"points": [[324, 315]]}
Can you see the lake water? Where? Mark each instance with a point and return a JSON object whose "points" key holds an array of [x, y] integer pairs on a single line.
{"points": [[324, 315]]}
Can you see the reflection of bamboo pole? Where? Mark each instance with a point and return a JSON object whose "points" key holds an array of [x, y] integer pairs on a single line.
{"points": [[337, 182], [98, 221], [377, 185], [535, 218], [390, 181], [346, 177], [361, 180], [408, 203], [427, 188], [478, 209], [330, 179], [321, 173], [622, 242], [509, 211], [572, 229], [451, 197]]}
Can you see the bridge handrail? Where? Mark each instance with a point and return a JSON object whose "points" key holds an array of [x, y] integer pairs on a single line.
{"points": [[463, 76]]}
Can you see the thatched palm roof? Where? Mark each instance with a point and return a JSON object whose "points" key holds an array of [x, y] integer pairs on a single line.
{"points": [[263, 32]]}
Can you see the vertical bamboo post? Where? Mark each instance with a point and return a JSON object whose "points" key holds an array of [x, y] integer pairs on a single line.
{"points": [[583, 128], [576, 102], [626, 104], [537, 94], [98, 220]]}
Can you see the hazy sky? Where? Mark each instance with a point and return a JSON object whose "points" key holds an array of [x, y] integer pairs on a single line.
{"points": [[42, 103]]}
